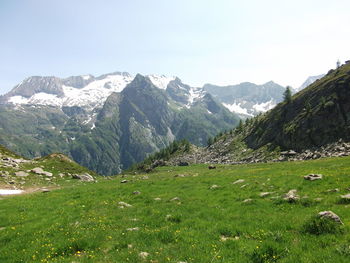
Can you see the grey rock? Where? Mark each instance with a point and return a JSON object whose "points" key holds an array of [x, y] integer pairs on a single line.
{"points": [[124, 181], [291, 196], [124, 205], [247, 200], [214, 186], [264, 194], [83, 177], [175, 199], [330, 215], [21, 174], [136, 193], [313, 177], [210, 167], [239, 181]]}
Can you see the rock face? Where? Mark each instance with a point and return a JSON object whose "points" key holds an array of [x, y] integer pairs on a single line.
{"points": [[330, 215], [84, 177], [313, 177]]}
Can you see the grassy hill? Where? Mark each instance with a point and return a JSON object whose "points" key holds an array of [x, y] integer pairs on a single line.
{"points": [[185, 214]]}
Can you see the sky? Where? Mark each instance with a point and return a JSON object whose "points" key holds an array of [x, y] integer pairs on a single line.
{"points": [[201, 41]]}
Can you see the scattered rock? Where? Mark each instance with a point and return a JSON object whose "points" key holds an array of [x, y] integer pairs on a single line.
{"points": [[124, 205], [345, 198], [313, 177], [243, 185], [330, 215], [225, 238], [264, 194], [124, 181], [180, 175], [157, 199], [214, 186], [210, 167], [136, 192], [239, 181], [45, 190], [247, 200], [21, 174], [145, 177], [318, 199], [291, 196], [333, 190], [83, 177], [38, 170], [61, 175], [143, 255], [133, 229], [175, 199]]}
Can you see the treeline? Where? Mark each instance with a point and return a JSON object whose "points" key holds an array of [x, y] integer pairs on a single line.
{"points": [[242, 127]]}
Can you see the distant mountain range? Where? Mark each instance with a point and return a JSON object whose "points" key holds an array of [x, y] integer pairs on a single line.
{"points": [[109, 122], [247, 99]]}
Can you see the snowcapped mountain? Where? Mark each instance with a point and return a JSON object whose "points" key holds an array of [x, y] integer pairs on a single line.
{"points": [[309, 81], [88, 92], [247, 99], [107, 123]]}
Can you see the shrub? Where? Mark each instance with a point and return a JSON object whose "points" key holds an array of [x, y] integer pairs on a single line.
{"points": [[319, 225]]}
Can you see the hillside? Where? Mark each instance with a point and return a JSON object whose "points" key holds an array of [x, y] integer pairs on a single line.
{"points": [[19, 175], [186, 214], [314, 124], [109, 122]]}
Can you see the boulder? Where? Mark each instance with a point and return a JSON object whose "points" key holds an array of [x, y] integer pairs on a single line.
{"points": [[264, 194], [40, 171], [124, 181], [21, 174], [136, 193], [239, 181], [210, 167], [124, 205], [214, 186], [291, 196], [83, 177], [313, 177], [330, 215]]}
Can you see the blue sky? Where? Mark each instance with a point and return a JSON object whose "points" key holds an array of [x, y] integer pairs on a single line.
{"points": [[220, 42]]}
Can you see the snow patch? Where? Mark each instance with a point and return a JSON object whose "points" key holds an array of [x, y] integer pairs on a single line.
{"points": [[160, 82], [10, 192], [18, 100], [86, 77], [265, 106], [236, 107]]}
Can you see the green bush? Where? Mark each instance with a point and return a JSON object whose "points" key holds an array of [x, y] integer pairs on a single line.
{"points": [[318, 226]]}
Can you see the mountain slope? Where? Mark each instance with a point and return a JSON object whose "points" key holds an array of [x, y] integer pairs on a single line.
{"points": [[314, 124], [110, 122]]}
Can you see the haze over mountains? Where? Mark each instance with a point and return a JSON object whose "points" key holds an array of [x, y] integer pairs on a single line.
{"points": [[109, 122]]}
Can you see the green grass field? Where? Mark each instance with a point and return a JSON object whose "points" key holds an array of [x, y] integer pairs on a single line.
{"points": [[85, 223]]}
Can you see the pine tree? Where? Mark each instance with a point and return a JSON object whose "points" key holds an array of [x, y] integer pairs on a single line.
{"points": [[287, 95]]}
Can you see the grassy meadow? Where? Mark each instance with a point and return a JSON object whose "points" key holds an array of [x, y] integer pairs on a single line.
{"points": [[183, 218]]}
